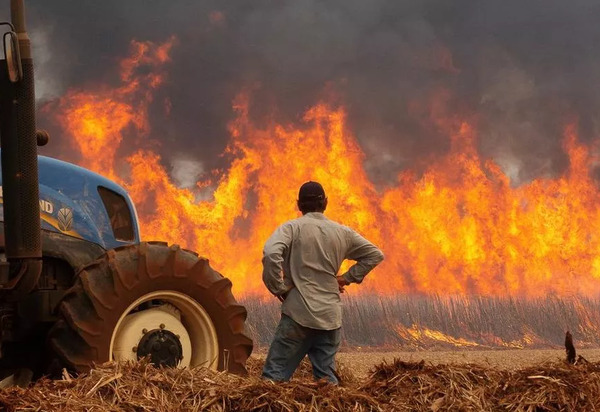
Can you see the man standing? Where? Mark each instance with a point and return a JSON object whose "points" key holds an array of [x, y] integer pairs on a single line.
{"points": [[301, 260]]}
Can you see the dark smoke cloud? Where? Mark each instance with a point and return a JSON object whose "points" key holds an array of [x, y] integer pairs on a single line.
{"points": [[522, 68]]}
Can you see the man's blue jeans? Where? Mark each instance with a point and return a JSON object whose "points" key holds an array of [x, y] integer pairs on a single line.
{"points": [[292, 342]]}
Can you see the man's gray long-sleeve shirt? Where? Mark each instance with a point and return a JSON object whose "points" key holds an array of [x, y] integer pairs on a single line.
{"points": [[303, 256]]}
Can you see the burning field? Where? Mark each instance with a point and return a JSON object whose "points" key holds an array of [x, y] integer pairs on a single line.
{"points": [[437, 133], [456, 227], [473, 259]]}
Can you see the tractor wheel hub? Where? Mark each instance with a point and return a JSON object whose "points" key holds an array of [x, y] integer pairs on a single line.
{"points": [[163, 347]]}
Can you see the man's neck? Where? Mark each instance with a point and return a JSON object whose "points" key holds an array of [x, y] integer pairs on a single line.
{"points": [[316, 211]]}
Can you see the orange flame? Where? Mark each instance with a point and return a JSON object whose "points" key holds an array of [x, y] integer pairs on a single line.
{"points": [[459, 228], [419, 336], [97, 120]]}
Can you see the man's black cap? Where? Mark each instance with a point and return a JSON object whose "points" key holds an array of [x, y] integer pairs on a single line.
{"points": [[311, 190]]}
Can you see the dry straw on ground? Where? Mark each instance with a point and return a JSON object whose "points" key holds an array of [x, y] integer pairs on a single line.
{"points": [[395, 386]]}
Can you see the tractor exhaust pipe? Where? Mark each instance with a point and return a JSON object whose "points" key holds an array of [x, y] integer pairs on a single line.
{"points": [[20, 184]]}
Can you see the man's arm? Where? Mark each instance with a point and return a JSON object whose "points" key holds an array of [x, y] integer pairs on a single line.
{"points": [[273, 253], [367, 256]]}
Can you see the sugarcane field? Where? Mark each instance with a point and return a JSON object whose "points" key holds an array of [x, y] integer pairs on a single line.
{"points": [[299, 206]]}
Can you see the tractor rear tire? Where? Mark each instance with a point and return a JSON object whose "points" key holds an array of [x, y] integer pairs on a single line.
{"points": [[104, 292]]}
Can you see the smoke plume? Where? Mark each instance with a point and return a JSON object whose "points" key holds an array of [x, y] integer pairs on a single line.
{"points": [[518, 70]]}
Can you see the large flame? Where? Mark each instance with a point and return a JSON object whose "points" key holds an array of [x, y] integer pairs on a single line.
{"points": [[458, 228]]}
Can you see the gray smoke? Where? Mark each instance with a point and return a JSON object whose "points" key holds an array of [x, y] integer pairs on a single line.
{"points": [[523, 68]]}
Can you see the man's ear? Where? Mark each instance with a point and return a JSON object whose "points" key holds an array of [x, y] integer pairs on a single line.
{"points": [[298, 204], [325, 204]]}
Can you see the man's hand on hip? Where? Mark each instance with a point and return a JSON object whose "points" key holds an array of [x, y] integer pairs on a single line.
{"points": [[341, 283], [283, 296]]}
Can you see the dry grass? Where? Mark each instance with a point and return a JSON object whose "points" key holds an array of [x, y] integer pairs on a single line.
{"points": [[471, 387], [394, 385], [141, 387], [435, 322]]}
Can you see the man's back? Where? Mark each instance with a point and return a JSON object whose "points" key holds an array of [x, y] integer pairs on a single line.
{"points": [[310, 251]]}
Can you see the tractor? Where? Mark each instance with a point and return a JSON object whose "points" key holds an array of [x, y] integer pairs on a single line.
{"points": [[77, 285]]}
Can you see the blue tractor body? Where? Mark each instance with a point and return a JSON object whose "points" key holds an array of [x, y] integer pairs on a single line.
{"points": [[82, 204]]}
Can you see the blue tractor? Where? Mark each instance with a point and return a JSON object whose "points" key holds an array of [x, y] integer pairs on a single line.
{"points": [[77, 286]]}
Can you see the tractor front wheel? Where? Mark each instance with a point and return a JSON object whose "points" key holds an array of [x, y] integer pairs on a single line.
{"points": [[151, 300]]}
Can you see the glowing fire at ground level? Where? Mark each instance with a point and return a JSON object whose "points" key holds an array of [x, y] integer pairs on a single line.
{"points": [[457, 228]]}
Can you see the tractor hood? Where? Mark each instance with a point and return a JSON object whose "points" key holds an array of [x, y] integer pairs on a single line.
{"points": [[79, 203]]}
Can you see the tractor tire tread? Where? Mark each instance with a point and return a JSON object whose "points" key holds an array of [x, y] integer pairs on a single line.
{"points": [[104, 289]]}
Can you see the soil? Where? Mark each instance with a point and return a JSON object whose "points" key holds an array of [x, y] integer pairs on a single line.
{"points": [[361, 361]]}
